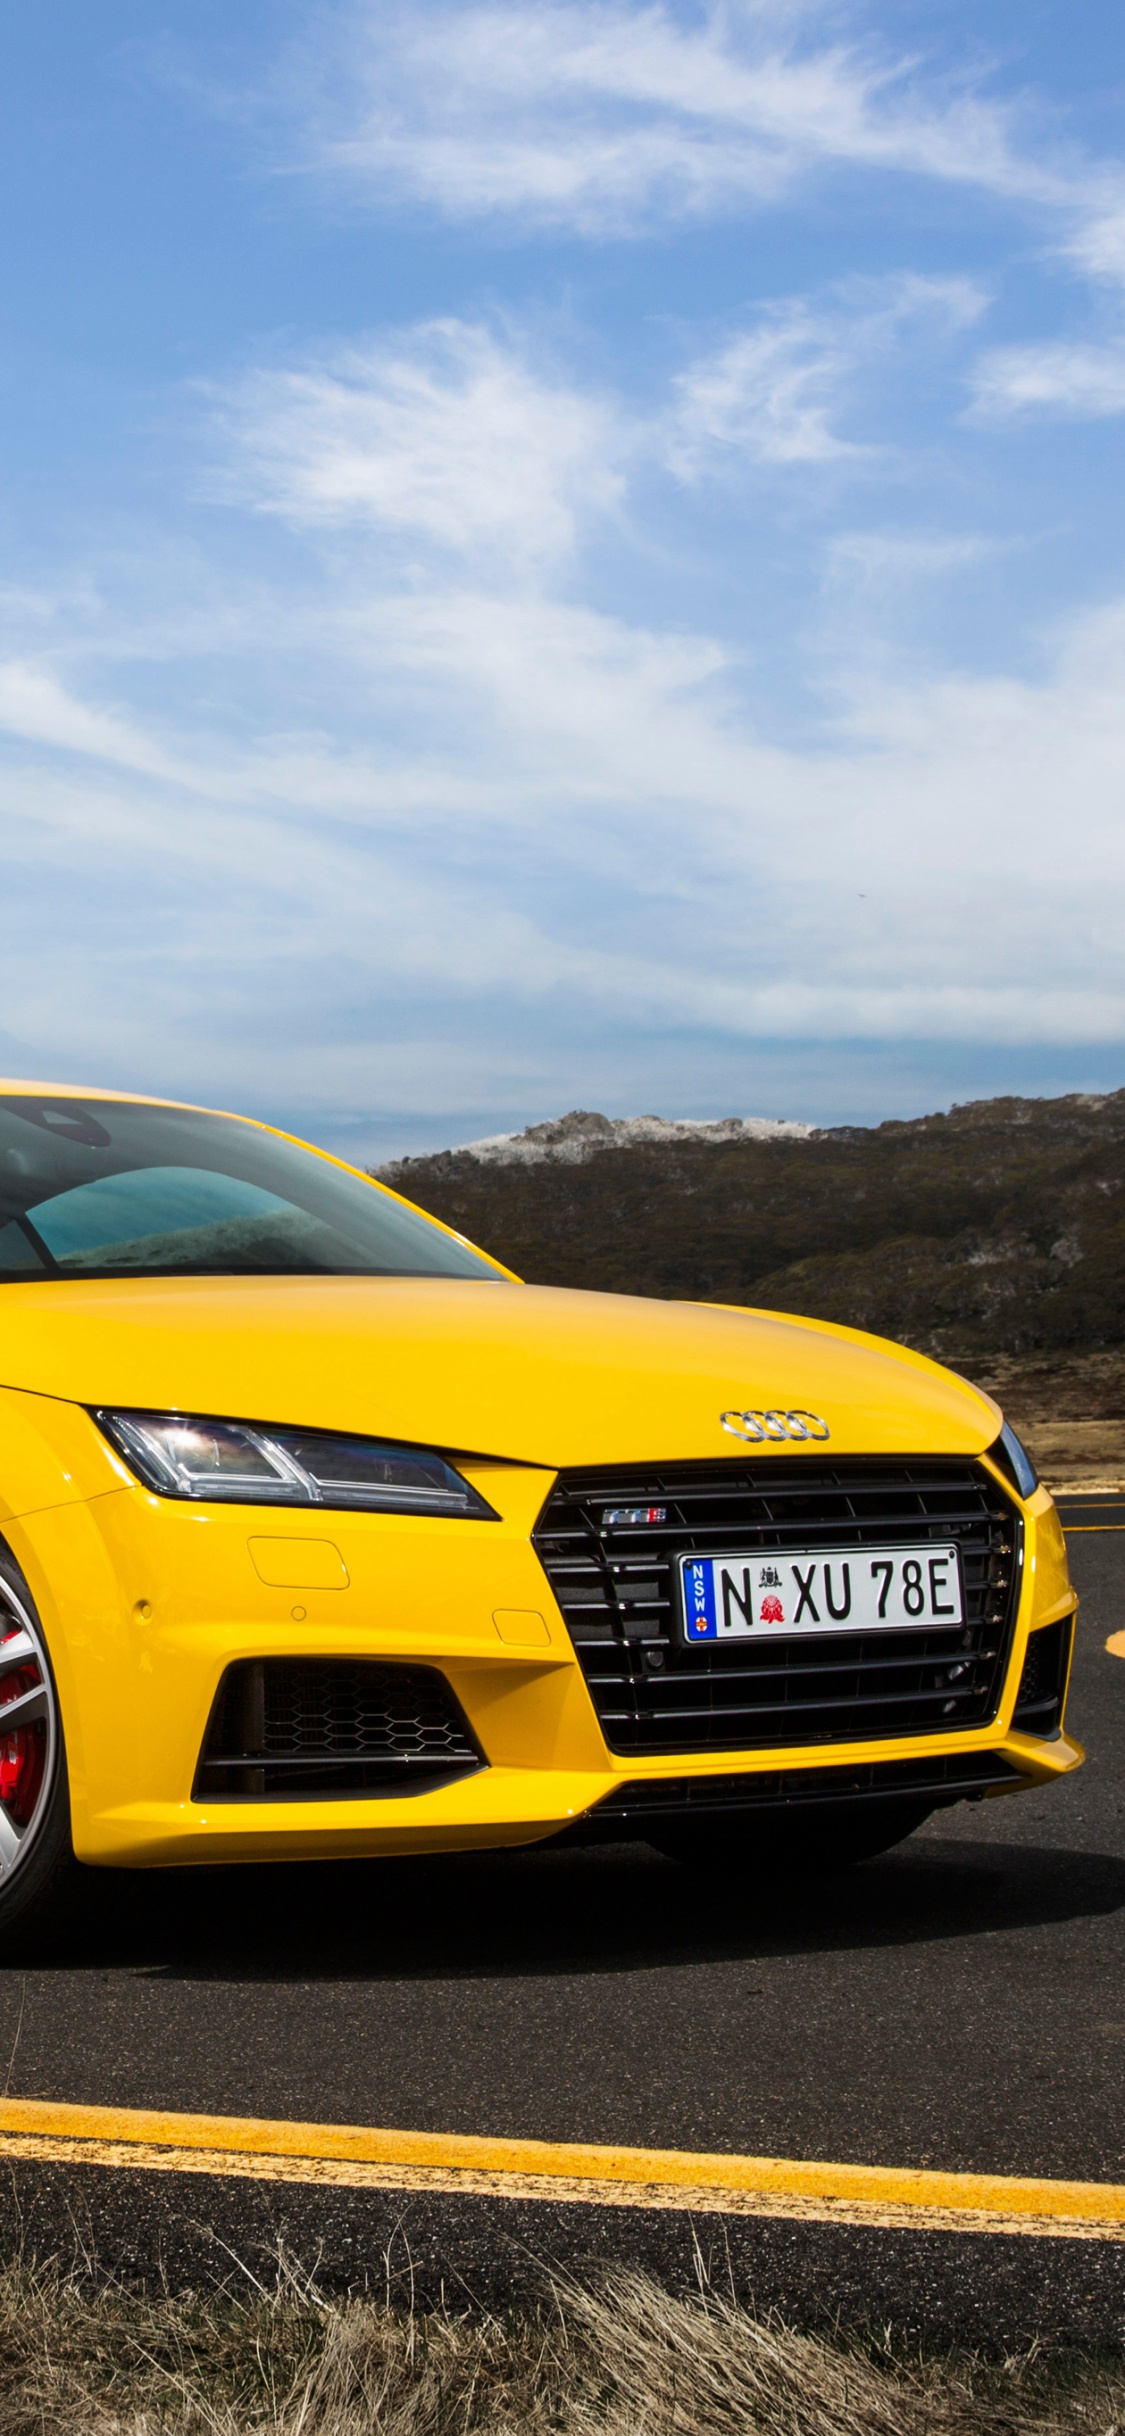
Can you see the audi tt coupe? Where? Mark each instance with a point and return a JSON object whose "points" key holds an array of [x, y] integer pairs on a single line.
{"points": [[322, 1535]]}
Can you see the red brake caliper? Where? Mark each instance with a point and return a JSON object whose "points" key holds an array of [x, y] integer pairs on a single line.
{"points": [[24, 1749]]}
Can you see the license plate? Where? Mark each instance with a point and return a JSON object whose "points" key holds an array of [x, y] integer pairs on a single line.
{"points": [[766, 1598]]}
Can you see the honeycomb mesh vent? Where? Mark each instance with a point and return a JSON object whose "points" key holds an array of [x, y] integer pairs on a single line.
{"points": [[300, 1728]]}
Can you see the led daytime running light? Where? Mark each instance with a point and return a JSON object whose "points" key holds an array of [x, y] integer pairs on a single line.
{"points": [[186, 1455]]}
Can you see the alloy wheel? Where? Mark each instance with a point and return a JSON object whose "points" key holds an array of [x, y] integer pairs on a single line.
{"points": [[29, 1735]]}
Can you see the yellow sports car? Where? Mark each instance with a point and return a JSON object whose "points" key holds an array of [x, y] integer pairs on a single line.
{"points": [[321, 1535]]}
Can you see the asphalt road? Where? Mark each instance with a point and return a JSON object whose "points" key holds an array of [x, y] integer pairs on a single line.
{"points": [[959, 2003]]}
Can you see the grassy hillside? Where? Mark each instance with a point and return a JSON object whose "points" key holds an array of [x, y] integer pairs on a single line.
{"points": [[998, 1230]]}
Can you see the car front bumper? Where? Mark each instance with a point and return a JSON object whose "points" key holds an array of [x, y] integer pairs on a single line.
{"points": [[145, 1602]]}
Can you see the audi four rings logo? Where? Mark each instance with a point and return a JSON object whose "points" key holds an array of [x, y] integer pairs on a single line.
{"points": [[754, 1427]]}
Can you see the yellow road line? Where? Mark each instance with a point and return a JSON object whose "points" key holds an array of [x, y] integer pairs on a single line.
{"points": [[1072, 1529], [1116, 1644], [558, 2171]]}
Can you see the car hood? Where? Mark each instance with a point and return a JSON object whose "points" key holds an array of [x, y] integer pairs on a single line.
{"points": [[533, 1374]]}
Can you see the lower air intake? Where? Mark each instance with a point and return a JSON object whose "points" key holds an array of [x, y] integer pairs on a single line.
{"points": [[788, 1792], [1039, 1700], [307, 1729]]}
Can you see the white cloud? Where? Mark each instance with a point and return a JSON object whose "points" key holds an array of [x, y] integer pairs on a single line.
{"points": [[881, 564], [424, 797], [1098, 242], [1082, 383], [452, 439], [35, 706], [447, 435], [773, 393], [608, 833], [594, 112]]}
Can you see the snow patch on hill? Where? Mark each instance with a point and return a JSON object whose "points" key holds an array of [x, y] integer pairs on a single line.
{"points": [[576, 1136]]}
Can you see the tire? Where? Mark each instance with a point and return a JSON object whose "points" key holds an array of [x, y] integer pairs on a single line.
{"points": [[37, 1864], [788, 1845]]}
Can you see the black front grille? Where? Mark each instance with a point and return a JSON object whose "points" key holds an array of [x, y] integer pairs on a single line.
{"points": [[302, 1728], [1039, 1700], [617, 1586]]}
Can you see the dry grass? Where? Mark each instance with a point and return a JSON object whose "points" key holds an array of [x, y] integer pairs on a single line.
{"points": [[618, 2358], [1069, 1410]]}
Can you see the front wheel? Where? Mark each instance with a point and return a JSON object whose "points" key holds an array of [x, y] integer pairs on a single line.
{"points": [[36, 1855], [787, 1844]]}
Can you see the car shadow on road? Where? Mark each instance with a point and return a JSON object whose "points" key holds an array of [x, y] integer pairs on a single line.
{"points": [[554, 1912]]}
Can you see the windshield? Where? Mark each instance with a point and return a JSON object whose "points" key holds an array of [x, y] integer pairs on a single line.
{"points": [[109, 1188]]}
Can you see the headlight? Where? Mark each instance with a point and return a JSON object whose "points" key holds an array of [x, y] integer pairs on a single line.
{"points": [[1013, 1458], [230, 1462]]}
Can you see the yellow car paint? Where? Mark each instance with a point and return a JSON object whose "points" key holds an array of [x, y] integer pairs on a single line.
{"points": [[525, 1374], [146, 1600]]}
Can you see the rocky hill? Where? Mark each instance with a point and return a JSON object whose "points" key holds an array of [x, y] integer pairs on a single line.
{"points": [[997, 1230]]}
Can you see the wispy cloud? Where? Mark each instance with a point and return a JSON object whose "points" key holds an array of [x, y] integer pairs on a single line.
{"points": [[452, 437], [1057, 379], [774, 393], [657, 830], [594, 113], [581, 810], [446, 434], [36, 706], [478, 701], [1097, 243], [881, 565]]}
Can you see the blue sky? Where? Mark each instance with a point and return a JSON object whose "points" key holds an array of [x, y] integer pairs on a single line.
{"points": [[562, 554]]}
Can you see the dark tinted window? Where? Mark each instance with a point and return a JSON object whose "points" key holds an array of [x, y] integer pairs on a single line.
{"points": [[103, 1188]]}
